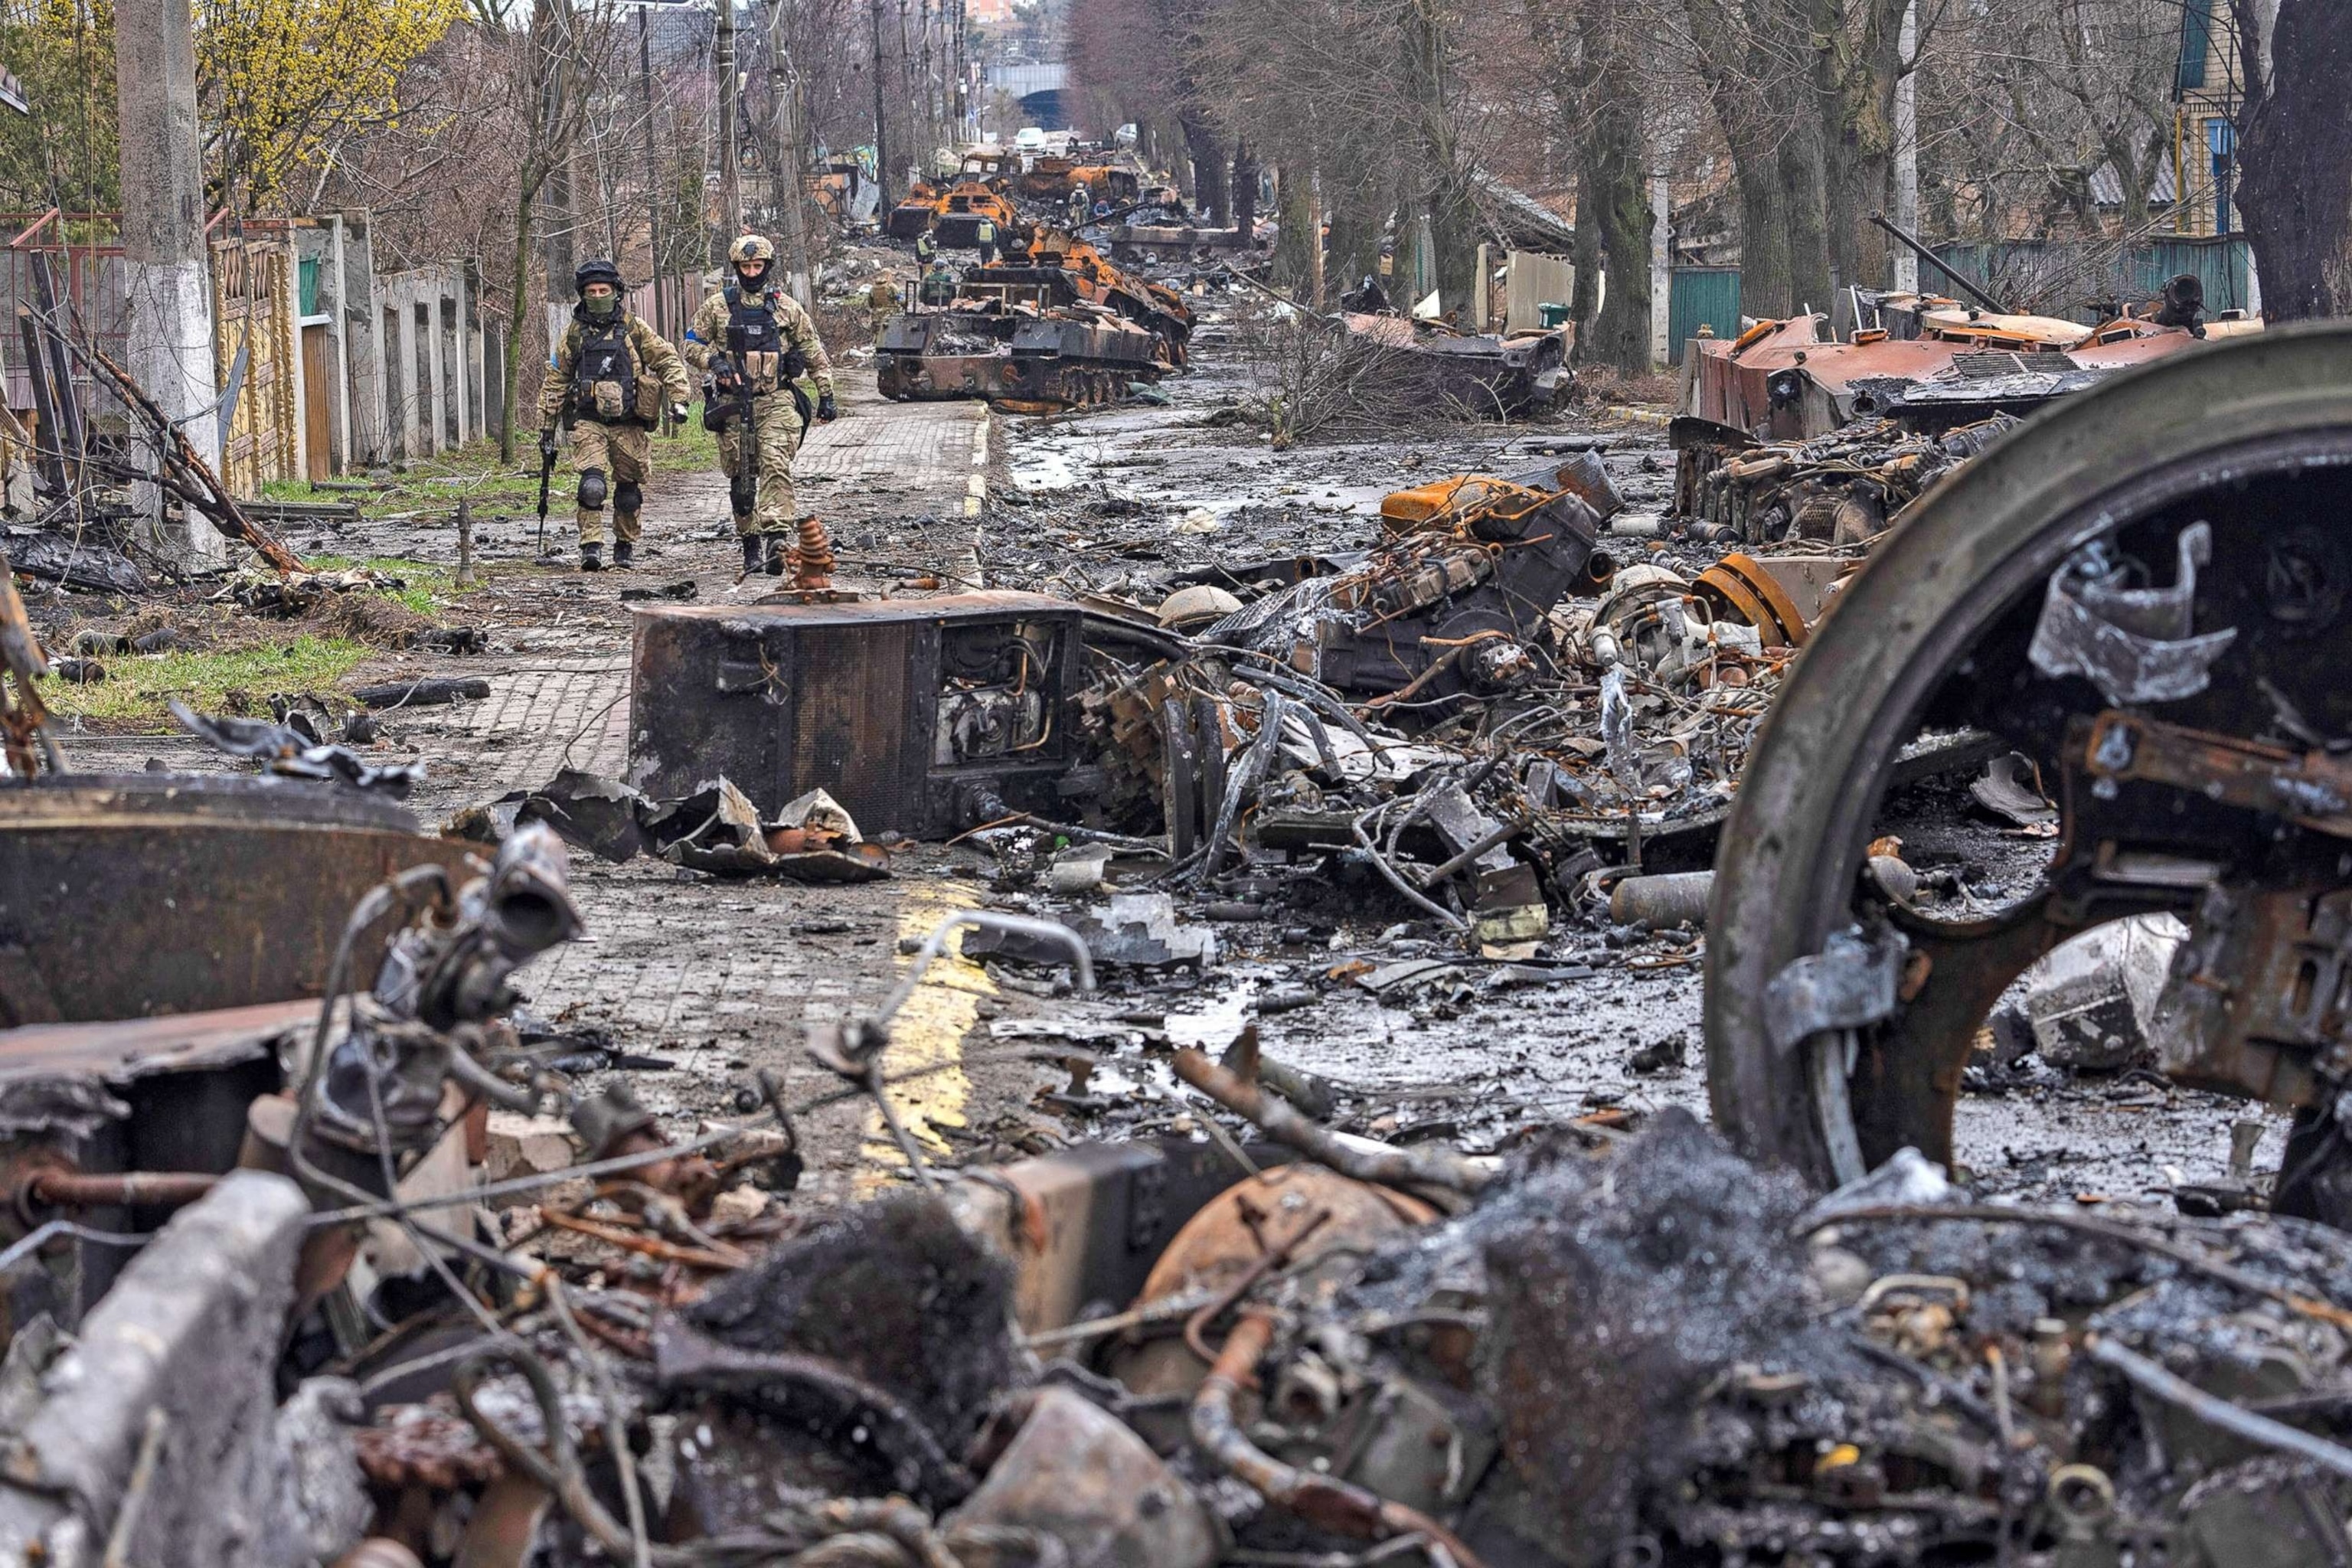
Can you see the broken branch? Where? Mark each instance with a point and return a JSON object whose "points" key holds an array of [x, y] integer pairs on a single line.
{"points": [[1379, 1163]]}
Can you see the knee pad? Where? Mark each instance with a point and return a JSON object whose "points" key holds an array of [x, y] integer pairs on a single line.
{"points": [[740, 497], [627, 497], [592, 489]]}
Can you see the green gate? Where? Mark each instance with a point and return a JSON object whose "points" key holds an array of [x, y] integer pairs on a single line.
{"points": [[1696, 296]]}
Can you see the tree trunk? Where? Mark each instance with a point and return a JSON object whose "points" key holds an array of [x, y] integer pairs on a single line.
{"points": [[518, 301], [1767, 290], [1354, 210], [2294, 161], [1856, 77], [1805, 215], [1615, 196], [1244, 189], [1207, 152], [1293, 259], [1584, 288], [1448, 192]]}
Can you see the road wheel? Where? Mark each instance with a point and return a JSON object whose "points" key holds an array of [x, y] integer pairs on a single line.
{"points": [[2253, 435]]}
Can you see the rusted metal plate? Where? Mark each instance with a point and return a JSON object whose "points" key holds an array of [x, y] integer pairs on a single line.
{"points": [[133, 895], [125, 1051], [893, 707]]}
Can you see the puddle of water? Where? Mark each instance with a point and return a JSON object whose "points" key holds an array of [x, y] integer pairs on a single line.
{"points": [[1213, 1028]]}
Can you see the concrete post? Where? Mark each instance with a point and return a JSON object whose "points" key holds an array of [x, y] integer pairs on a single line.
{"points": [[362, 314], [1662, 270], [339, 331], [290, 302], [436, 369], [1906, 150], [166, 276]]}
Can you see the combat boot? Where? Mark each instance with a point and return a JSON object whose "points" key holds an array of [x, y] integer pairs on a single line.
{"points": [[775, 555], [624, 552], [754, 552], [592, 558]]}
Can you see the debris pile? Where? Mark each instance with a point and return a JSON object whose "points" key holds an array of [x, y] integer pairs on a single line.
{"points": [[1842, 488]]}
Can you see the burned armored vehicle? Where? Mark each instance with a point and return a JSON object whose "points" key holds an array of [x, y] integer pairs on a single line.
{"points": [[1053, 327]]}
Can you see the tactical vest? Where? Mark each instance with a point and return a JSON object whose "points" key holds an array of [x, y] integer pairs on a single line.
{"points": [[756, 341], [604, 375]]}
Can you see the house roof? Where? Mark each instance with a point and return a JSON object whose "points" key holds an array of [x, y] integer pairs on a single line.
{"points": [[2107, 186]]}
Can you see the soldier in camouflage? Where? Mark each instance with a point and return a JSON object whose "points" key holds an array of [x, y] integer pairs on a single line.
{"points": [[610, 375], [751, 334]]}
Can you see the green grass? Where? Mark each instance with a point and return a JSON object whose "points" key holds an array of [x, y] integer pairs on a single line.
{"points": [[429, 588], [133, 696]]}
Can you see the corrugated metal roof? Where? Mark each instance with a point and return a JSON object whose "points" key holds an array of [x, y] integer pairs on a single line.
{"points": [[2107, 186]]}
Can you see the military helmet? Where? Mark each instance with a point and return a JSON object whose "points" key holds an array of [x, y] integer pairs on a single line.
{"points": [[751, 248], [597, 270]]}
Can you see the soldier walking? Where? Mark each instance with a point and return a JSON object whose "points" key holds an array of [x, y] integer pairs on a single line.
{"points": [[609, 374], [754, 342]]}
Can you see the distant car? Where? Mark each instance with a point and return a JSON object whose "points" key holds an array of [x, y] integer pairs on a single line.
{"points": [[1029, 138], [1125, 135]]}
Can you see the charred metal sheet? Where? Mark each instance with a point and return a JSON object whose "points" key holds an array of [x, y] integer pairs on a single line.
{"points": [[127, 895], [2135, 644], [1088, 1224], [1850, 983], [36, 1059], [175, 1368]]}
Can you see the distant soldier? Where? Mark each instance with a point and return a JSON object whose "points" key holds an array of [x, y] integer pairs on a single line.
{"points": [[1081, 204], [984, 235], [881, 303], [753, 337], [610, 373], [938, 287], [927, 249]]}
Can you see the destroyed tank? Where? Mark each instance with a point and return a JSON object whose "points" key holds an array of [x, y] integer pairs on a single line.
{"points": [[968, 203], [1058, 327]]}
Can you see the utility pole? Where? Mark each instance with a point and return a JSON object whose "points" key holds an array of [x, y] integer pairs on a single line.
{"points": [[932, 95], [962, 97], [559, 244], [1907, 148], [731, 177], [907, 83], [881, 138], [791, 212], [652, 170], [167, 277]]}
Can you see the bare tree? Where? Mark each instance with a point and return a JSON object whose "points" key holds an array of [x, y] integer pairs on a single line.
{"points": [[2294, 143], [549, 58]]}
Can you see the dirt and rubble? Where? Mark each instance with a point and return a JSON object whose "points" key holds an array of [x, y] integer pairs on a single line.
{"points": [[1155, 1019]]}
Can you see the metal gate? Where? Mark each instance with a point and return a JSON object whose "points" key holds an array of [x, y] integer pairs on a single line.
{"points": [[1701, 295], [253, 315]]}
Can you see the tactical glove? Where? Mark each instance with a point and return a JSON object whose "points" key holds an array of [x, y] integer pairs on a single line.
{"points": [[826, 408], [547, 445]]}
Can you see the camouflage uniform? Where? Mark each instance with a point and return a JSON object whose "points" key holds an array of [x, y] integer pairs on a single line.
{"points": [[882, 304], [621, 448], [775, 417]]}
